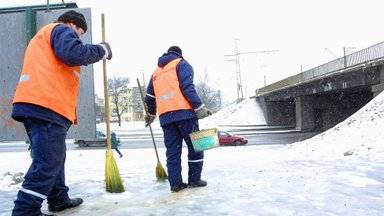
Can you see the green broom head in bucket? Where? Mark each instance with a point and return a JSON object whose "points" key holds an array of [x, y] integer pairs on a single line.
{"points": [[161, 174], [112, 176]]}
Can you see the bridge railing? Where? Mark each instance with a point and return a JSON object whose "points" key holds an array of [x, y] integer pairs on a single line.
{"points": [[365, 55]]}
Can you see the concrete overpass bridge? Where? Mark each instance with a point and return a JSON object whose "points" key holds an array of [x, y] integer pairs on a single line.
{"points": [[321, 97]]}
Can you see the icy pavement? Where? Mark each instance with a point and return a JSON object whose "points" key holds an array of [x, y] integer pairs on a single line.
{"points": [[245, 180]]}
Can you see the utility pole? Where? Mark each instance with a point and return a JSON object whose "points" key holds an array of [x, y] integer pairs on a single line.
{"points": [[48, 7], [265, 80], [345, 49], [345, 58], [142, 71], [239, 85]]}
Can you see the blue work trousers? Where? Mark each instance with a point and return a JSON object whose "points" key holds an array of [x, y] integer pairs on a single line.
{"points": [[174, 134], [45, 178]]}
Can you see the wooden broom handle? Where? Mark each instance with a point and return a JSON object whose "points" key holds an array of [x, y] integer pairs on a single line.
{"points": [[106, 98], [146, 112]]}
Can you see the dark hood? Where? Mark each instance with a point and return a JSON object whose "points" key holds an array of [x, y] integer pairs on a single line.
{"points": [[167, 57]]}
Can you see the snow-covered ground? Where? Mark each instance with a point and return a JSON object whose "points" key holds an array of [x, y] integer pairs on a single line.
{"points": [[338, 172]]}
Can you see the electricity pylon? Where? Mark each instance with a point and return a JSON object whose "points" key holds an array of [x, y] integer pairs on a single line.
{"points": [[239, 85]]}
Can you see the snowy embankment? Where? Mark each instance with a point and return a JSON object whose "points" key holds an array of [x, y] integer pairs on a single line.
{"points": [[360, 134], [247, 112]]}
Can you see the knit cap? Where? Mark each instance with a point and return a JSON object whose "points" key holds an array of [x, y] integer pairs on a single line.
{"points": [[74, 17]]}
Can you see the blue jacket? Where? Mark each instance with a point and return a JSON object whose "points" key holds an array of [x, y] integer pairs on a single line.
{"points": [[69, 49], [185, 75]]}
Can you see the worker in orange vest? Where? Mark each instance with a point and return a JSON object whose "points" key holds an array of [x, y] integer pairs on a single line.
{"points": [[45, 102], [171, 94]]}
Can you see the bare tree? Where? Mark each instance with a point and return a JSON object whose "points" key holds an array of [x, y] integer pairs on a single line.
{"points": [[211, 98], [116, 88]]}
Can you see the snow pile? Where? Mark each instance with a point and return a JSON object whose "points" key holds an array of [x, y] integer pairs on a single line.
{"points": [[247, 112], [359, 134]]}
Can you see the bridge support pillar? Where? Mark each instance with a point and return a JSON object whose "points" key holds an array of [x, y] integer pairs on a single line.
{"points": [[377, 89], [304, 113], [278, 112]]}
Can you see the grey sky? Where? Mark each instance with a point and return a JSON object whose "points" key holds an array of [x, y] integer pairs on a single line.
{"points": [[305, 33]]}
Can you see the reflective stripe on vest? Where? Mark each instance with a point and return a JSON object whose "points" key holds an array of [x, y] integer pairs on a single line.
{"points": [[167, 89], [45, 80]]}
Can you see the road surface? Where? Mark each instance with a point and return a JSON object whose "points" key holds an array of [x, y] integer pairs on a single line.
{"points": [[132, 142]]}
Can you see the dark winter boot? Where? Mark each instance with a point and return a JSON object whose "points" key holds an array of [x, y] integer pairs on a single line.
{"points": [[71, 203], [179, 187], [42, 214], [200, 183]]}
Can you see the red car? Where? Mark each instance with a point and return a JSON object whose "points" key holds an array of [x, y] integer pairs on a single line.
{"points": [[227, 139]]}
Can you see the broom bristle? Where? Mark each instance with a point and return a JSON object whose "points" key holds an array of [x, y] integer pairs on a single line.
{"points": [[112, 176], [161, 174]]}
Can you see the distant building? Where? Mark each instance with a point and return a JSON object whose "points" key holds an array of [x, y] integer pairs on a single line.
{"points": [[138, 109], [99, 109], [129, 105]]}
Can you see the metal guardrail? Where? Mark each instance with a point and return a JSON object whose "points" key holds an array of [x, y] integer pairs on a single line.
{"points": [[371, 53]]}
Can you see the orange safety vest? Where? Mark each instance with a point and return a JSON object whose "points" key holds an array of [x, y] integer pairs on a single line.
{"points": [[45, 80], [167, 89]]}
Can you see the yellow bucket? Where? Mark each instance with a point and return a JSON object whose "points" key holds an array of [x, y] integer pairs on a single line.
{"points": [[204, 139]]}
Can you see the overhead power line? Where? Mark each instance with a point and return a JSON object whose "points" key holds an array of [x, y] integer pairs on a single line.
{"points": [[239, 85]]}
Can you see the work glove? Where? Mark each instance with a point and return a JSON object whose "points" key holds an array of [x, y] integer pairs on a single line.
{"points": [[202, 112], [108, 50], [149, 119]]}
